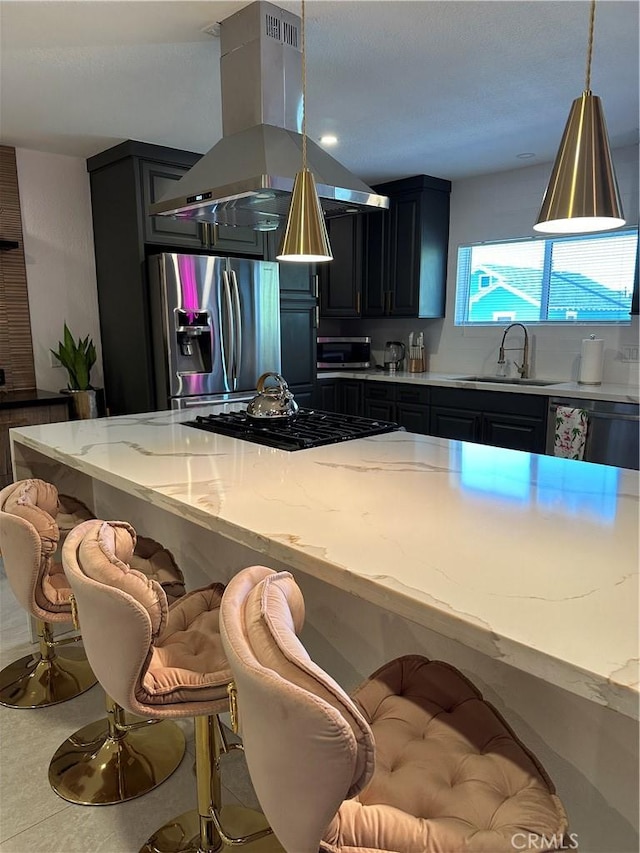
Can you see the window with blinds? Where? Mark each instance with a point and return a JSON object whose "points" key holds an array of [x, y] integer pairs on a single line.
{"points": [[588, 278]]}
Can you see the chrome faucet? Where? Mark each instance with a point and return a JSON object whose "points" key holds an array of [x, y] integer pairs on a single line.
{"points": [[523, 369]]}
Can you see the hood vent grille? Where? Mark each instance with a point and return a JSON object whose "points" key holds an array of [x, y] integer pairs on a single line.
{"points": [[247, 177], [281, 30]]}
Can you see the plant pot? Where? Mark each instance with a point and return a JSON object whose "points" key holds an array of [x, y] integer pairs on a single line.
{"points": [[86, 404]]}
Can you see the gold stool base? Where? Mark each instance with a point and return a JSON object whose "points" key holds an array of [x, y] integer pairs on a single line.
{"points": [[92, 768], [32, 682], [182, 835]]}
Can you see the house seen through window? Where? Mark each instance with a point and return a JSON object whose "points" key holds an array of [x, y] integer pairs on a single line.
{"points": [[586, 278]]}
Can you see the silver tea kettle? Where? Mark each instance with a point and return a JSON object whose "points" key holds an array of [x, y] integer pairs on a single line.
{"points": [[276, 401]]}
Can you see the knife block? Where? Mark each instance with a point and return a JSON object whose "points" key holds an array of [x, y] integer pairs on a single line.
{"points": [[418, 365]]}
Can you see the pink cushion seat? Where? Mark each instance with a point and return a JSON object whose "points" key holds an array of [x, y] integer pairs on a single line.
{"points": [[151, 658], [415, 762]]}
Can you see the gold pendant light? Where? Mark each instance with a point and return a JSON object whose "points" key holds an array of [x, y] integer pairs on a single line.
{"points": [[305, 238], [582, 194]]}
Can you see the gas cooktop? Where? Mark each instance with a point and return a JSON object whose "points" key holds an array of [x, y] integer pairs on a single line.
{"points": [[309, 428]]}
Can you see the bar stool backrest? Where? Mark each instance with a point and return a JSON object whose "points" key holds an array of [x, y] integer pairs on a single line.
{"points": [[28, 539], [121, 611], [307, 745]]}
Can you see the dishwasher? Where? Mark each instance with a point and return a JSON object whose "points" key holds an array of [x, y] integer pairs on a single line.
{"points": [[613, 431]]}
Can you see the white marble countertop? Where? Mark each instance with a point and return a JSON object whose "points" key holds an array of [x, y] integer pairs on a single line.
{"points": [[529, 559], [605, 391]]}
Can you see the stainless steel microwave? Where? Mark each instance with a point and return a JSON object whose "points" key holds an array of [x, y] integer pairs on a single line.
{"points": [[344, 353]]}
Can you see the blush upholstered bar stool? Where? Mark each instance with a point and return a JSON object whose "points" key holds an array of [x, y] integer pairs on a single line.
{"points": [[29, 537], [164, 663], [415, 762], [118, 758], [112, 759]]}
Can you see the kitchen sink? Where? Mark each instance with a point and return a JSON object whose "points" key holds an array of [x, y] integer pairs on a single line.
{"points": [[505, 380]]}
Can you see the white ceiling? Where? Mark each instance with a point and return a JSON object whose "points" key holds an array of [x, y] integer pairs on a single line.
{"points": [[450, 88]]}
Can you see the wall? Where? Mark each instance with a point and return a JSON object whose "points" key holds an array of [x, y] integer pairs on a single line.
{"points": [[496, 207], [58, 247]]}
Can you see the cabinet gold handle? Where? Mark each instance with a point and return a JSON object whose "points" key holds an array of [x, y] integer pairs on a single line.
{"points": [[358, 301]]}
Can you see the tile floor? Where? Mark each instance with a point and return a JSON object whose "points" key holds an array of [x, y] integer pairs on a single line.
{"points": [[33, 818]]}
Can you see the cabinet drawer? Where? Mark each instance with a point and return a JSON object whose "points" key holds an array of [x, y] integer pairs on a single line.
{"points": [[380, 391], [530, 405], [416, 394]]}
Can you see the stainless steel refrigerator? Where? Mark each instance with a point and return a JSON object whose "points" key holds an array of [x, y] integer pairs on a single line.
{"points": [[215, 327]]}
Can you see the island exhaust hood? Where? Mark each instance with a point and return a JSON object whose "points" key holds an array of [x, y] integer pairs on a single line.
{"points": [[246, 179]]}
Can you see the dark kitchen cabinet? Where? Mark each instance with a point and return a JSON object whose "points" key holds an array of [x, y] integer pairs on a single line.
{"points": [[351, 396], [516, 421], [298, 332], [297, 281], [124, 180], [298, 322], [325, 395], [405, 250], [340, 395], [158, 179], [341, 278], [457, 424], [407, 405]]}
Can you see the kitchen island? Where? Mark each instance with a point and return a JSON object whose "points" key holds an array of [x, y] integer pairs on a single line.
{"points": [[521, 569]]}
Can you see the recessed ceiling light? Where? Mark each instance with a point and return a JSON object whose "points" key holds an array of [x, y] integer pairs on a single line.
{"points": [[328, 139], [526, 155]]}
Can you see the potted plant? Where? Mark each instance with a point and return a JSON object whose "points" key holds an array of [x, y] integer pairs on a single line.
{"points": [[78, 357]]}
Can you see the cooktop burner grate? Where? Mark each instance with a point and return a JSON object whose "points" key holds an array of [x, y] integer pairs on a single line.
{"points": [[309, 428]]}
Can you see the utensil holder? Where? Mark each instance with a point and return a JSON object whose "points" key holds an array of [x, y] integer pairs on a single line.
{"points": [[418, 365]]}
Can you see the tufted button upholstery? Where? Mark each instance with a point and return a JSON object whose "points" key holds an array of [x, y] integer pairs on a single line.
{"points": [[151, 658], [53, 516], [447, 761], [188, 662], [415, 762]]}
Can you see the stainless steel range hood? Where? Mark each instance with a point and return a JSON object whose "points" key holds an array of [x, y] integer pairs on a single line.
{"points": [[247, 177]]}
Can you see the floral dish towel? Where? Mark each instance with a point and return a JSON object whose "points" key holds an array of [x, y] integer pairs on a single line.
{"points": [[570, 433]]}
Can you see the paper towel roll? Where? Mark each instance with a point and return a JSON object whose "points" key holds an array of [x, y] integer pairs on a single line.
{"points": [[591, 361]]}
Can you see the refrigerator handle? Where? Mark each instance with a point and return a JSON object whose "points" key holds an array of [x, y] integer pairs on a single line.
{"points": [[237, 356], [228, 337]]}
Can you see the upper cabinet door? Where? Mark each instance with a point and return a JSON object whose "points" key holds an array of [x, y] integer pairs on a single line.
{"points": [[297, 281], [158, 179], [240, 241], [341, 278], [404, 255], [406, 250], [375, 294]]}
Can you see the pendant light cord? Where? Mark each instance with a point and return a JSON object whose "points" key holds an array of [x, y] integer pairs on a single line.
{"points": [[592, 18], [304, 91]]}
